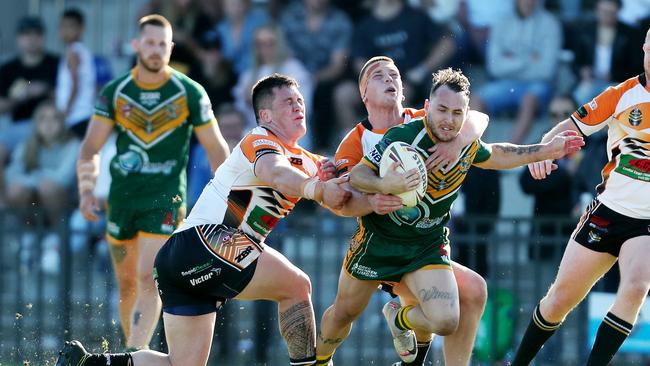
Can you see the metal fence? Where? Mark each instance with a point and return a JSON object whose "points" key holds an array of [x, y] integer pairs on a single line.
{"points": [[57, 284]]}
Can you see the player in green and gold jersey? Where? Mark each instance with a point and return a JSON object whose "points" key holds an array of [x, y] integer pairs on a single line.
{"points": [[153, 109]]}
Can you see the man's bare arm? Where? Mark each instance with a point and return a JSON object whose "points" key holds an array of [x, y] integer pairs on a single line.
{"points": [[214, 144], [366, 180]]}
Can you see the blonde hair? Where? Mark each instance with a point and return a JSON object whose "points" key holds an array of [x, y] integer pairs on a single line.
{"points": [[363, 74]]}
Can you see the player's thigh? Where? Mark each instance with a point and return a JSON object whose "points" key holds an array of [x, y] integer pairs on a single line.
{"points": [[189, 338], [353, 294], [436, 291], [275, 278], [579, 270], [148, 246], [633, 264], [124, 255], [472, 288]]}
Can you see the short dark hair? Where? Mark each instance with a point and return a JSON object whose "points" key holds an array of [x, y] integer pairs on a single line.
{"points": [[74, 14], [619, 3], [263, 90], [30, 24], [454, 79], [155, 20]]}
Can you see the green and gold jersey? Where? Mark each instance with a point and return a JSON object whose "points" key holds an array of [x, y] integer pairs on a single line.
{"points": [[432, 213], [154, 123]]}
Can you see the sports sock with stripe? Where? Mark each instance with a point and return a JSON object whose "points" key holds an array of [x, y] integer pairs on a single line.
{"points": [[610, 336], [538, 332], [401, 322], [105, 359]]}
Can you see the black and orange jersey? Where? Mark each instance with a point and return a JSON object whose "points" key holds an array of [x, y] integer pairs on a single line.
{"points": [[236, 197], [625, 110]]}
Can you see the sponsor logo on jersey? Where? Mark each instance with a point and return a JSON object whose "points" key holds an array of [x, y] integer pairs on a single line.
{"points": [[341, 162], [206, 109], [582, 112], [427, 222], [172, 111], [261, 220], [374, 156], [126, 110], [201, 279], [295, 161], [149, 99], [593, 105], [636, 117], [641, 164], [259, 142]]}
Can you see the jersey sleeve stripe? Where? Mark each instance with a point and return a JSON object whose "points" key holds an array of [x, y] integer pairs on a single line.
{"points": [[210, 123], [103, 119]]}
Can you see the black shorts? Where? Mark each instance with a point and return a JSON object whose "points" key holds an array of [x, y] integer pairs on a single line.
{"points": [[604, 230], [198, 269]]}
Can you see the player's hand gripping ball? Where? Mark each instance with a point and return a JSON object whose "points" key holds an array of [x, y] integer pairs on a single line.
{"points": [[407, 158]]}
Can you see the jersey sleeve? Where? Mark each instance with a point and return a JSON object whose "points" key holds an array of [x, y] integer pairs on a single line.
{"points": [[104, 106], [483, 153], [594, 115], [200, 107], [349, 153], [255, 146]]}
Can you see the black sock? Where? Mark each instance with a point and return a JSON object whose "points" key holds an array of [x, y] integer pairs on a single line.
{"points": [[537, 333], [311, 360], [423, 350], [105, 359], [611, 334]]}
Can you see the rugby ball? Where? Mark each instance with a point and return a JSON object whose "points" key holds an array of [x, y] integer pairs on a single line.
{"points": [[408, 158]]}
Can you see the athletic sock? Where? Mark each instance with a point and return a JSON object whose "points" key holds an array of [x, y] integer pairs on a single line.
{"points": [[323, 360], [538, 332], [611, 334], [401, 322], [423, 350], [302, 361]]}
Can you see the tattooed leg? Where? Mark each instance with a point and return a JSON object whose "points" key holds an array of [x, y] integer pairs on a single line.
{"points": [[298, 328], [438, 309], [124, 257]]}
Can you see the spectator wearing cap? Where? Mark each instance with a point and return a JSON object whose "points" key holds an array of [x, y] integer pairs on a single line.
{"points": [[25, 81], [75, 82]]}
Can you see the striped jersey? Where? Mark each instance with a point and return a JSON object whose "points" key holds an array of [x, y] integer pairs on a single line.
{"points": [[236, 197], [153, 124], [625, 110]]}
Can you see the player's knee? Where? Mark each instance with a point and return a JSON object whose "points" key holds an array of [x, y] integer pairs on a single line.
{"points": [[560, 300], [346, 311], [475, 292], [298, 285], [634, 288], [441, 325]]}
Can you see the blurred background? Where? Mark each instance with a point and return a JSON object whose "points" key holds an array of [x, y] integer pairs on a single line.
{"points": [[531, 63]]}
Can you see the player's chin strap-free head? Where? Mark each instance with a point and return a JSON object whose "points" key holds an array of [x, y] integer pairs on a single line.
{"points": [[367, 69]]}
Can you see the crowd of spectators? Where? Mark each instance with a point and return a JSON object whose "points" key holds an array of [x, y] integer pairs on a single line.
{"points": [[512, 50]]}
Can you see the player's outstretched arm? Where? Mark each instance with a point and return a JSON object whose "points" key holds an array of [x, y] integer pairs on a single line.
{"points": [[508, 156], [88, 167], [444, 153], [541, 169], [276, 171]]}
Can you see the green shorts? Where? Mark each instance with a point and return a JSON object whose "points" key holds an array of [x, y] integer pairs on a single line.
{"points": [[125, 223], [372, 257]]}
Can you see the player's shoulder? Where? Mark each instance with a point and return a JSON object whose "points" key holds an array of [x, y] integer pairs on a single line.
{"points": [[191, 85], [406, 131], [113, 85], [261, 137], [352, 140]]}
